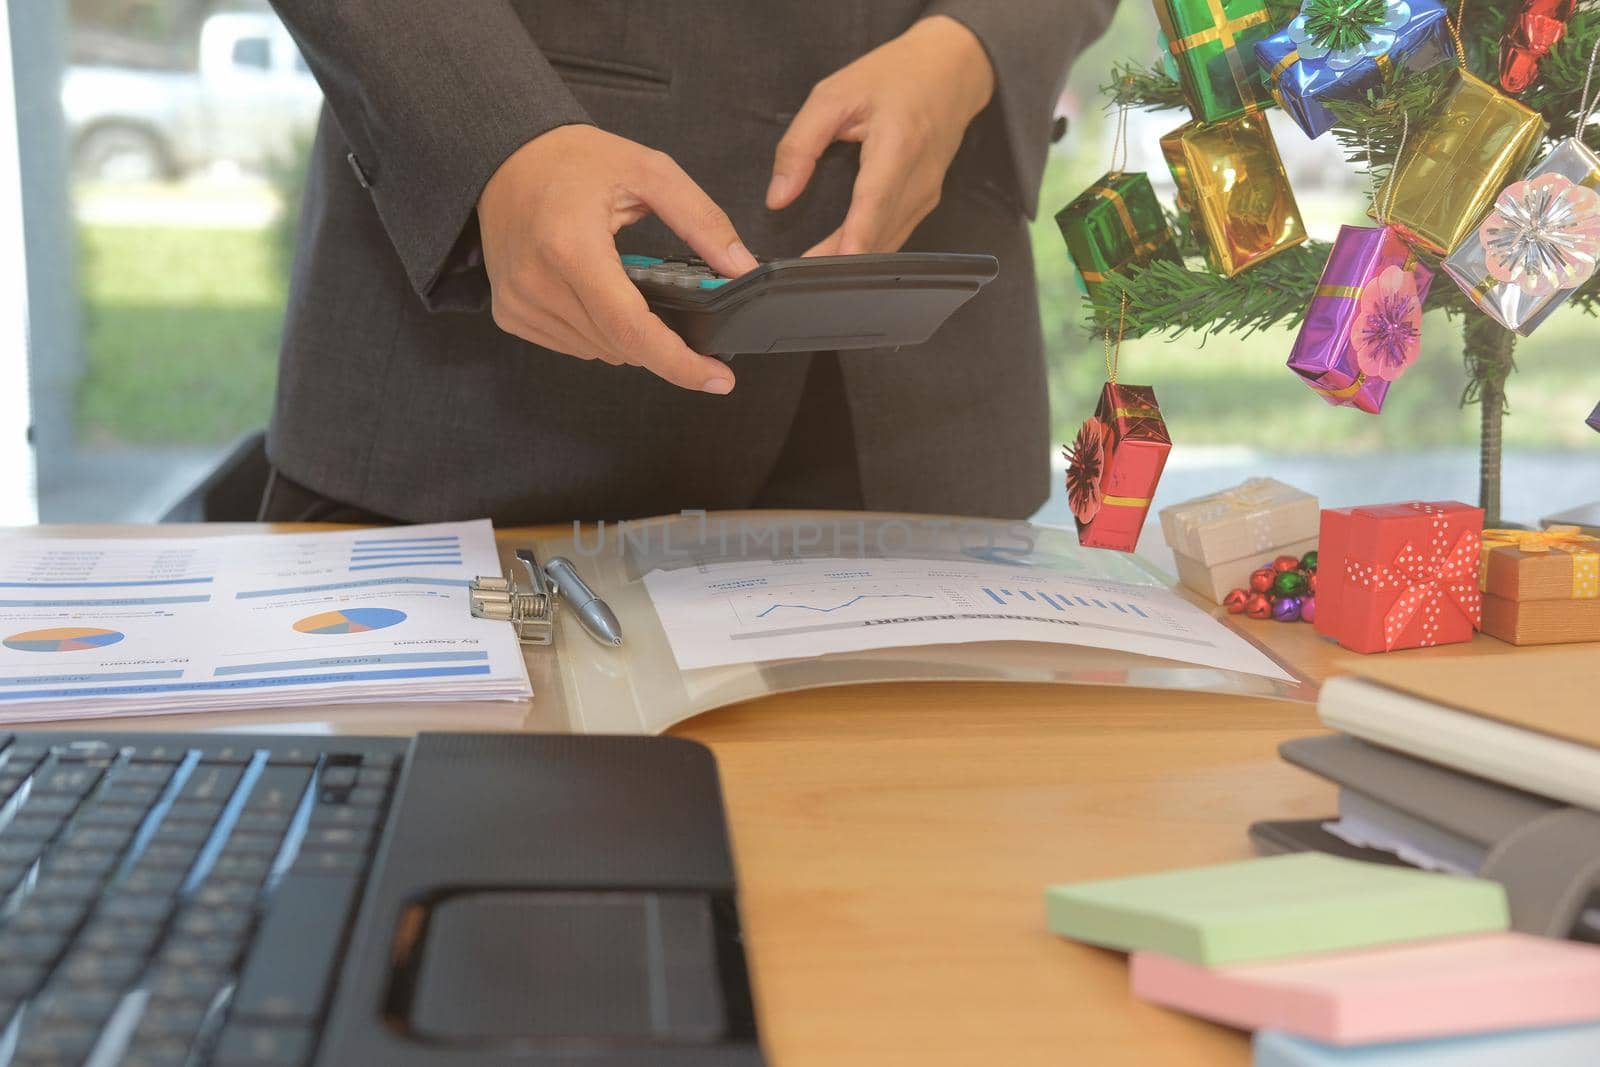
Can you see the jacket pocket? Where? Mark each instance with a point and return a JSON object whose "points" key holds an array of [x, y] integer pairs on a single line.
{"points": [[608, 73]]}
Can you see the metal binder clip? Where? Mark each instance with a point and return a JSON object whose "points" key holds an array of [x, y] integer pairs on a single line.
{"points": [[532, 610]]}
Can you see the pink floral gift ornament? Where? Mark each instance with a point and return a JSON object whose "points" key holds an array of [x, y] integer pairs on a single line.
{"points": [[1364, 325], [1539, 244]]}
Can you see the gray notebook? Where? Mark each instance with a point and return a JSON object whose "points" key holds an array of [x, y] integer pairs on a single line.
{"points": [[1547, 854]]}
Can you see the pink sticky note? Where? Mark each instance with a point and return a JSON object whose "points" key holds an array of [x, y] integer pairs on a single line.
{"points": [[1413, 990]]}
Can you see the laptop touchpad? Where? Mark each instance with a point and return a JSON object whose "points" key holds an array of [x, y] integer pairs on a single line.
{"points": [[627, 966]]}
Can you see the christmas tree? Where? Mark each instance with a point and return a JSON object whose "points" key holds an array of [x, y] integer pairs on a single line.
{"points": [[1167, 292]]}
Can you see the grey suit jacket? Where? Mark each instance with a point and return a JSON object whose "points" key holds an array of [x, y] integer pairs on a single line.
{"points": [[398, 394]]}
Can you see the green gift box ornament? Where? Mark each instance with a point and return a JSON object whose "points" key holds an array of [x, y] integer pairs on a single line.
{"points": [[1213, 42], [1116, 223]]}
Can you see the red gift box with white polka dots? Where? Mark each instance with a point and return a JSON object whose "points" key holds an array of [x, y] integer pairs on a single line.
{"points": [[1399, 575]]}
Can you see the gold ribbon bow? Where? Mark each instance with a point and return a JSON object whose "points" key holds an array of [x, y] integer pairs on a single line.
{"points": [[1584, 550]]}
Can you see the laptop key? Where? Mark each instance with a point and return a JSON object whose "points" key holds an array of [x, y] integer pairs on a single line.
{"points": [[171, 1019], [19, 979], [157, 1051], [260, 1046], [287, 974]]}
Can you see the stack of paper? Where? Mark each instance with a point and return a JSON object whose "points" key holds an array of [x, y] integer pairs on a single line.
{"points": [[1460, 764], [93, 628]]}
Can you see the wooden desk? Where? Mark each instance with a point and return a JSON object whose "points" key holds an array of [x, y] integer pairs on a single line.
{"points": [[894, 843]]}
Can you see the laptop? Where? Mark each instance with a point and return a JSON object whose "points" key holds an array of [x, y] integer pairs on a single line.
{"points": [[453, 900]]}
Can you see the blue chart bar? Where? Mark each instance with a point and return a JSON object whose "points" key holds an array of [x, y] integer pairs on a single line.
{"points": [[81, 679], [406, 563], [125, 602], [405, 540], [432, 553], [104, 585], [244, 683], [1063, 602], [350, 661], [360, 583]]}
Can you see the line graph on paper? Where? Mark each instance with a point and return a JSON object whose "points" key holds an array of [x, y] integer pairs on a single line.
{"points": [[752, 611]]}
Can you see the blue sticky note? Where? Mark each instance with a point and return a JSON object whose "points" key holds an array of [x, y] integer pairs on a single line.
{"points": [[1559, 1046]]}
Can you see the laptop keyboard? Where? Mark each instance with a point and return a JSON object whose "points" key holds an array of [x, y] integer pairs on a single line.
{"points": [[178, 904]]}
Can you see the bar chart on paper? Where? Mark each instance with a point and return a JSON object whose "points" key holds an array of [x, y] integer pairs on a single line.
{"points": [[747, 612]]}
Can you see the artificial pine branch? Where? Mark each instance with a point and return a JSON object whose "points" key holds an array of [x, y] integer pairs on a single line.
{"points": [[1164, 298]]}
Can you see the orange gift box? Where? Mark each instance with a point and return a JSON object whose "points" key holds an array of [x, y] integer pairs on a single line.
{"points": [[1541, 587]]}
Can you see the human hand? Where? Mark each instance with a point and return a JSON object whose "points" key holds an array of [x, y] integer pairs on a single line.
{"points": [[908, 103], [549, 217]]}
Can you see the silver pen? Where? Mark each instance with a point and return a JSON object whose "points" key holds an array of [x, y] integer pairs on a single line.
{"points": [[593, 612]]}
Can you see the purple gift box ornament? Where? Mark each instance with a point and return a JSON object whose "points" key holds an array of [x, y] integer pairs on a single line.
{"points": [[1594, 419], [1364, 325]]}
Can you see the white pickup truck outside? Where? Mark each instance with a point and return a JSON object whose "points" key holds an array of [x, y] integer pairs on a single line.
{"points": [[247, 103]]}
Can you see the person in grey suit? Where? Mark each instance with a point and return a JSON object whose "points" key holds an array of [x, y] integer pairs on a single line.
{"points": [[461, 340]]}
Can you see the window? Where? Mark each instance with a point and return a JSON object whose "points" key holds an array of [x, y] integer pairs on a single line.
{"points": [[158, 193], [253, 52]]}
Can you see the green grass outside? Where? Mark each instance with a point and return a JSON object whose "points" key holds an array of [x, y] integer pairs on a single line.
{"points": [[181, 331]]}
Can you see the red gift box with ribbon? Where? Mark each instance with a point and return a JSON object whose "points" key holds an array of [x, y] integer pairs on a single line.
{"points": [[1399, 575]]}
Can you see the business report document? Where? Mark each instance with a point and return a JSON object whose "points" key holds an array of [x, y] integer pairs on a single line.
{"points": [[150, 625], [747, 612]]}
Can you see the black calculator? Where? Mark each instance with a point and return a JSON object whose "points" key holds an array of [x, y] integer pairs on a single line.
{"points": [[823, 303]]}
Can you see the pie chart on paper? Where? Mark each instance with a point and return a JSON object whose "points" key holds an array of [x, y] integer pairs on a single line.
{"points": [[350, 621], [62, 639]]}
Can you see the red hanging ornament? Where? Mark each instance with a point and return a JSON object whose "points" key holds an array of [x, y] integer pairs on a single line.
{"points": [[1086, 466], [1535, 28]]}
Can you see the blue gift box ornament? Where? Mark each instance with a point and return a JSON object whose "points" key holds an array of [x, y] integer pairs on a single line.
{"points": [[1338, 49]]}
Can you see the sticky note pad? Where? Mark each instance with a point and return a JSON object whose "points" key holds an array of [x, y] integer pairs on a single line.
{"points": [[1568, 1046], [1402, 992], [1273, 907]]}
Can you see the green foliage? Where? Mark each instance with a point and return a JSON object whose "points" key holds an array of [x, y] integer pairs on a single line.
{"points": [[1342, 24]]}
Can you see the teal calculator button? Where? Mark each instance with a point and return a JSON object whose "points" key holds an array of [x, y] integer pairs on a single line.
{"points": [[714, 283], [631, 260]]}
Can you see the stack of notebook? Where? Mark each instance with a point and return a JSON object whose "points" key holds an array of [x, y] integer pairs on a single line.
{"points": [[1338, 962], [1465, 766]]}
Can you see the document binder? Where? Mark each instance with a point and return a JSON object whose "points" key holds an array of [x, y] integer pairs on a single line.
{"points": [[640, 689]]}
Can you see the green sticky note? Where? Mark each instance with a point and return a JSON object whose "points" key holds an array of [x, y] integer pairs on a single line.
{"points": [[1274, 907]]}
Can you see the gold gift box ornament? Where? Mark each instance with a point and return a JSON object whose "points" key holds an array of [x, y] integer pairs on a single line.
{"points": [[1232, 183], [1472, 142]]}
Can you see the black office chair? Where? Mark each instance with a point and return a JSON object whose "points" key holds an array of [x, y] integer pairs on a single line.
{"points": [[232, 491]]}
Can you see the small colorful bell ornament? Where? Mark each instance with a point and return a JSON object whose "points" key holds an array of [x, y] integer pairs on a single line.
{"points": [[1115, 462], [1536, 27], [1342, 49], [1541, 241]]}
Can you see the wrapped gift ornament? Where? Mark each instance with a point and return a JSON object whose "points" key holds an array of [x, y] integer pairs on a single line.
{"points": [[1399, 575], [1593, 421], [1232, 183], [1116, 223], [1471, 142], [1539, 244], [1364, 325], [1536, 27], [1114, 465], [1339, 49], [1541, 587], [1212, 42]]}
